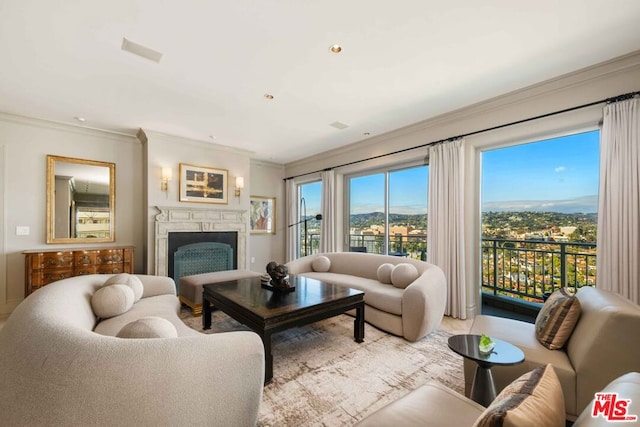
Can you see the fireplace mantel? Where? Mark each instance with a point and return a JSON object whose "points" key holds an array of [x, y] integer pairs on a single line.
{"points": [[189, 219]]}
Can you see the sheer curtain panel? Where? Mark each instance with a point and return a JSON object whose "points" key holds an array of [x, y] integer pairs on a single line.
{"points": [[618, 251], [328, 223], [291, 218], [445, 221]]}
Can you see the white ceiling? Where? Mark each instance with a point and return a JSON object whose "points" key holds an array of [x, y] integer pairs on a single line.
{"points": [[402, 62]]}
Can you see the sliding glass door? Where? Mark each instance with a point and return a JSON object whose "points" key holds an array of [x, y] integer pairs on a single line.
{"points": [[388, 212]]}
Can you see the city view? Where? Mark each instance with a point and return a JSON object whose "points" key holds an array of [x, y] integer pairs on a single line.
{"points": [[539, 220]]}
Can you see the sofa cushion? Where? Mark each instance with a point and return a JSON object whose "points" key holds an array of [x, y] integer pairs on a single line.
{"points": [[148, 327], [130, 280], [321, 263], [384, 273], [112, 301], [534, 399], [557, 319], [383, 297], [165, 306], [403, 275]]}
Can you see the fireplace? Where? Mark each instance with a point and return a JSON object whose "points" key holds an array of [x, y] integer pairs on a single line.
{"points": [[178, 226], [221, 253]]}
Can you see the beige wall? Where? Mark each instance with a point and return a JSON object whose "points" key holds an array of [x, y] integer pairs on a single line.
{"points": [[599, 82], [169, 151], [267, 181], [24, 145]]}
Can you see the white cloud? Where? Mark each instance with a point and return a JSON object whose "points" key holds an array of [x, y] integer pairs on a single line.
{"points": [[560, 169]]}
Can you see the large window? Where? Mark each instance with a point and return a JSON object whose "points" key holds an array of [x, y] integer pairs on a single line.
{"points": [[388, 212], [309, 209], [539, 216]]}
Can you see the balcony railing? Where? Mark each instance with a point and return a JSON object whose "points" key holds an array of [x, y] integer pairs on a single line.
{"points": [[527, 269], [522, 269]]}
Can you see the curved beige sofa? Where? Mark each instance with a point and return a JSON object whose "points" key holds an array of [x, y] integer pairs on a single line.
{"points": [[411, 313], [56, 370]]}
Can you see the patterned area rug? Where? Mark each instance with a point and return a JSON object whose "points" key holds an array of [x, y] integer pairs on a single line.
{"points": [[322, 377]]}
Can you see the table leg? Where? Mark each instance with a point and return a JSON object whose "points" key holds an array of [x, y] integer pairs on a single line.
{"points": [[483, 389], [268, 357], [206, 313], [358, 324]]}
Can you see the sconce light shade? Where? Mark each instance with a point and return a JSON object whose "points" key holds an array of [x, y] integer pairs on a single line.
{"points": [[167, 174], [239, 185]]}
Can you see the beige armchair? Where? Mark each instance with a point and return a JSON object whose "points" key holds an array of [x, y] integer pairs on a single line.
{"points": [[603, 346]]}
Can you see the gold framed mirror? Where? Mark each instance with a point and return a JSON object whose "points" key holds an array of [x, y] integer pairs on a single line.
{"points": [[81, 197]]}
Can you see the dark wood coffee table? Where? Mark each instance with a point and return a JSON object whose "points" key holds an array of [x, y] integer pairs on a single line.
{"points": [[483, 390], [267, 312]]}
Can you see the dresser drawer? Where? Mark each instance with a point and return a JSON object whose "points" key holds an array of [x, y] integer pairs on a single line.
{"points": [[45, 277], [109, 256], [84, 258], [52, 260]]}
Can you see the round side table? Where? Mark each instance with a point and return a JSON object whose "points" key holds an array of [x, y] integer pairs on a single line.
{"points": [[483, 390]]}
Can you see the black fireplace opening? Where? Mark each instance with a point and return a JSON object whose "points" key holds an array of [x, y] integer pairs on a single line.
{"points": [[182, 238]]}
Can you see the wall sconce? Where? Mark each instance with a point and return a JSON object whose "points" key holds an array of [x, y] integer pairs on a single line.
{"points": [[167, 175], [239, 185]]}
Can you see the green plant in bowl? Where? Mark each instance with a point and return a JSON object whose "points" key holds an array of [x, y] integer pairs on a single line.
{"points": [[486, 344]]}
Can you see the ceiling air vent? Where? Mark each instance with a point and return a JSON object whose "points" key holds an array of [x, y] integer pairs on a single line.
{"points": [[339, 125], [143, 51]]}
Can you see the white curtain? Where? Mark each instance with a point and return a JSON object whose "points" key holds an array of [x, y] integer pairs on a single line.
{"points": [[618, 252], [291, 218], [328, 223], [445, 221]]}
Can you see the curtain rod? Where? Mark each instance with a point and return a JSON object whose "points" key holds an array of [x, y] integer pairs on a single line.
{"points": [[618, 98]]}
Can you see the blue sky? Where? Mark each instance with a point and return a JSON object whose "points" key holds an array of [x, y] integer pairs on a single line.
{"points": [[556, 175]]}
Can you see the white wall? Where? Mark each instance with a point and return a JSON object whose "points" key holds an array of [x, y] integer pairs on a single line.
{"points": [[613, 78], [24, 145], [267, 181]]}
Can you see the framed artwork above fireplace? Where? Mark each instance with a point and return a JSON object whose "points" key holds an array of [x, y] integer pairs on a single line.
{"points": [[203, 184]]}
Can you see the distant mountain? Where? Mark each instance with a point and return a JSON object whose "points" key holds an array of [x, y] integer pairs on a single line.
{"points": [[365, 220], [587, 204]]}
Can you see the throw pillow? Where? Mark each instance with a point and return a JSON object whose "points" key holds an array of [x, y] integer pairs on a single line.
{"points": [[384, 273], [321, 263], [534, 399], [112, 301], [403, 275], [148, 327], [557, 319], [130, 280]]}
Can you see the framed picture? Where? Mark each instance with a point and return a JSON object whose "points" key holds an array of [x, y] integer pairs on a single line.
{"points": [[263, 215], [203, 184]]}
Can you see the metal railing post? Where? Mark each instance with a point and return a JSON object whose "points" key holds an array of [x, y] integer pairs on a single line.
{"points": [[563, 265]]}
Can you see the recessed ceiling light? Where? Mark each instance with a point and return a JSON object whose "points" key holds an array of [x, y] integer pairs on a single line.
{"points": [[268, 96], [213, 137], [335, 48], [80, 119]]}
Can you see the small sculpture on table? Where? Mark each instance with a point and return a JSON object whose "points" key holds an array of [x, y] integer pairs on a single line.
{"points": [[279, 274]]}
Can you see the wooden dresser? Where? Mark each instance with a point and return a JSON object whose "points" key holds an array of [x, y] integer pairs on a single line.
{"points": [[43, 267]]}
